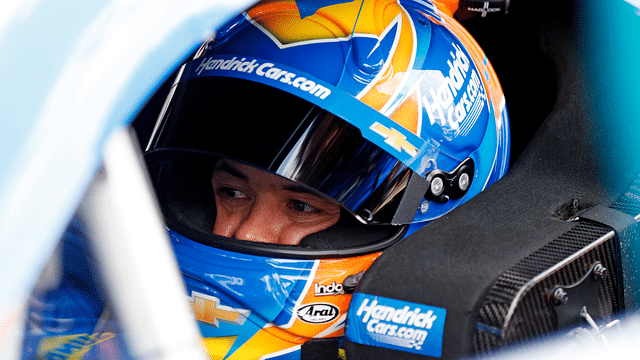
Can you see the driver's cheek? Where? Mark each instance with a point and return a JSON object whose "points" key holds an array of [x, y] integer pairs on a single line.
{"points": [[227, 222], [295, 232]]}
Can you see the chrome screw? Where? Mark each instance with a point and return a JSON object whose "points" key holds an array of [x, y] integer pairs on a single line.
{"points": [[424, 207], [599, 272], [463, 182], [437, 186], [560, 296]]}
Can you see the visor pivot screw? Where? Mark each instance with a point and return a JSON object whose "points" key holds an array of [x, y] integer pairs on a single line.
{"points": [[560, 296], [437, 186], [424, 207], [463, 182]]}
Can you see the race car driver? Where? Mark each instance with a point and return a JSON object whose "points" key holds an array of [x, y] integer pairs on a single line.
{"points": [[294, 147]]}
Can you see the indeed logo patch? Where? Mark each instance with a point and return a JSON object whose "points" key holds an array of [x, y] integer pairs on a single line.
{"points": [[396, 324], [331, 289]]}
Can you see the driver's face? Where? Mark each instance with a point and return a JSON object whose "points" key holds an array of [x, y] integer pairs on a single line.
{"points": [[257, 206]]}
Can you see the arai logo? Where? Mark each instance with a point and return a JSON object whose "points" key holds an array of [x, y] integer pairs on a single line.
{"points": [[318, 313]]}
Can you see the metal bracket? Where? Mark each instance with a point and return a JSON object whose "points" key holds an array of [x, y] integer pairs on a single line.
{"points": [[450, 185], [570, 300], [628, 232]]}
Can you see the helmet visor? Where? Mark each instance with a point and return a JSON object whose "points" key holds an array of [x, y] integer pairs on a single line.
{"points": [[286, 135]]}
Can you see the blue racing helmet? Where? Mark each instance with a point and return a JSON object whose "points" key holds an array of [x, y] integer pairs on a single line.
{"points": [[388, 109]]}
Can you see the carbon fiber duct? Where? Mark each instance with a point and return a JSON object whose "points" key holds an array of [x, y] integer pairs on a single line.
{"points": [[579, 274], [532, 298]]}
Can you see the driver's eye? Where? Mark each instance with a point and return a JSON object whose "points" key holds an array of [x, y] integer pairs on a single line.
{"points": [[232, 193], [303, 207]]}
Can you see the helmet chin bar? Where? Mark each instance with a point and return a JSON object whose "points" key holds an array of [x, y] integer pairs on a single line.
{"points": [[450, 185]]}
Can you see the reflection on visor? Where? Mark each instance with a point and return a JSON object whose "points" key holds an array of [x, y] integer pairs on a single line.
{"points": [[274, 130]]}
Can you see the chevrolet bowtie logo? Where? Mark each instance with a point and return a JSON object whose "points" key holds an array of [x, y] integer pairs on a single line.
{"points": [[394, 138], [207, 309]]}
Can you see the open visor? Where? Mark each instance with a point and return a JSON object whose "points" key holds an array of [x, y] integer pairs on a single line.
{"points": [[289, 136]]}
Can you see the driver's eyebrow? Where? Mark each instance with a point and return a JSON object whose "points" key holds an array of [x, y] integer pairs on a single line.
{"points": [[228, 168], [300, 190]]}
